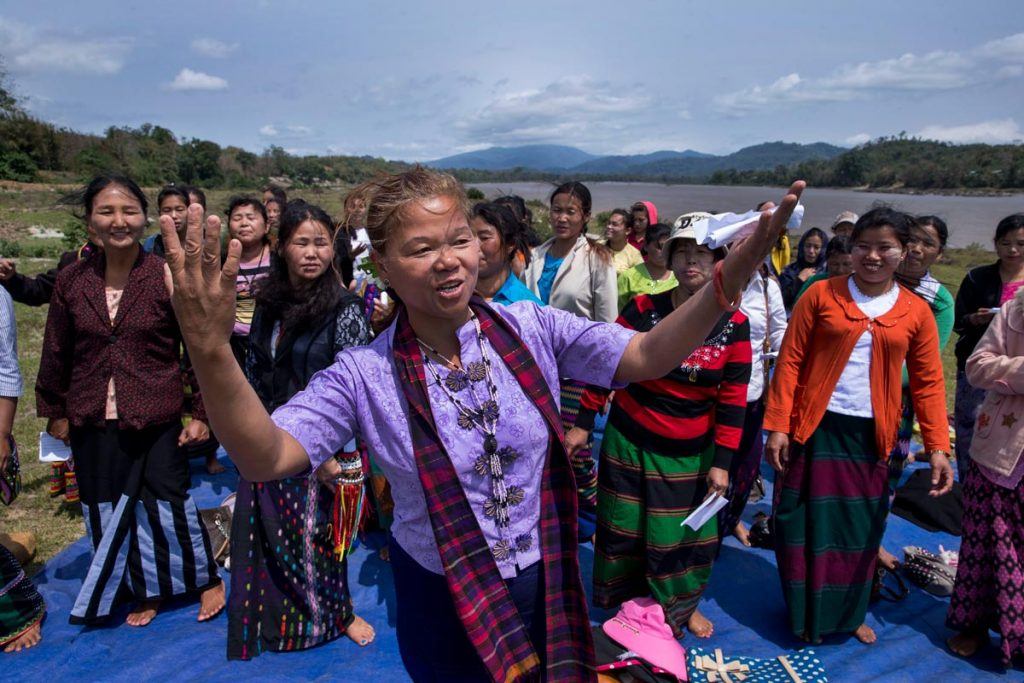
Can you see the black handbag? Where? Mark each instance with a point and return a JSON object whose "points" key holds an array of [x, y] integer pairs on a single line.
{"points": [[218, 526], [10, 477], [762, 532]]}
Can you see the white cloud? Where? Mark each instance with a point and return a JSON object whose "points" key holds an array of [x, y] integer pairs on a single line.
{"points": [[210, 47], [29, 49], [858, 139], [991, 132], [288, 132], [940, 70], [187, 79], [571, 108], [1010, 48]]}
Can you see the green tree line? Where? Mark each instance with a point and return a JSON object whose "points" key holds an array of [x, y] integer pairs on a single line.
{"points": [[153, 155], [900, 162]]}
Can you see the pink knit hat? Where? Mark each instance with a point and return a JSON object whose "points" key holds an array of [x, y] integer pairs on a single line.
{"points": [[652, 212], [640, 626]]}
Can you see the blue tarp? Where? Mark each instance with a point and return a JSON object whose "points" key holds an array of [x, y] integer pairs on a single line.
{"points": [[743, 601]]}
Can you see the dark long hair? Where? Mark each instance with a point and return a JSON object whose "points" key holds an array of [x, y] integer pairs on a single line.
{"points": [[511, 231], [298, 308]]}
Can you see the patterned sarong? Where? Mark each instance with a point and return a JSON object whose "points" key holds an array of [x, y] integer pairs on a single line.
{"points": [[830, 508], [288, 589], [21, 606], [641, 548], [989, 590], [583, 466]]}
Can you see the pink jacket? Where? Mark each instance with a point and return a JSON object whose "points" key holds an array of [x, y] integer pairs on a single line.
{"points": [[997, 365]]}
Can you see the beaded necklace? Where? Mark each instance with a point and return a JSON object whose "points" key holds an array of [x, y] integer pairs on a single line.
{"points": [[483, 418]]}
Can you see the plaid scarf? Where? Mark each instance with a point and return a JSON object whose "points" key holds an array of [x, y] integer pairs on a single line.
{"points": [[481, 598]]}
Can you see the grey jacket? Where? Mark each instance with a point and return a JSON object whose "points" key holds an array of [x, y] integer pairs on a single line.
{"points": [[584, 284]]}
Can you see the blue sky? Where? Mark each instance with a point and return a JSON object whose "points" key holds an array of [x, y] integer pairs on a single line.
{"points": [[420, 80]]}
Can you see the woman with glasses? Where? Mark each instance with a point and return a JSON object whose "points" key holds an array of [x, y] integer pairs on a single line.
{"points": [[833, 411]]}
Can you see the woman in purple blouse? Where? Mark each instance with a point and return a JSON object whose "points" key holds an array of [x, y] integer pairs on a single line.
{"points": [[454, 401]]}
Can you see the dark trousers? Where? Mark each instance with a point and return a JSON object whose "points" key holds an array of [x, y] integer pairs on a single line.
{"points": [[745, 466], [431, 638]]}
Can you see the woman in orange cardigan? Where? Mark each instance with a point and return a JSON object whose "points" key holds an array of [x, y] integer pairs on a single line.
{"points": [[832, 413]]}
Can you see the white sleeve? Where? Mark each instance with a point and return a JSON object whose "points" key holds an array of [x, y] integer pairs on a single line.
{"points": [[777, 314]]}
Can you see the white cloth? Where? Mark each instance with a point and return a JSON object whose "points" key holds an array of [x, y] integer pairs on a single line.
{"points": [[852, 395], [722, 228], [361, 238], [753, 306]]}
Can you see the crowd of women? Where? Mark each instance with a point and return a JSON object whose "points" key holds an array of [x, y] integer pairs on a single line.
{"points": [[460, 392]]}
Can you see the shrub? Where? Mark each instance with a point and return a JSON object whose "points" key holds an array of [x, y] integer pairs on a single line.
{"points": [[9, 249]]}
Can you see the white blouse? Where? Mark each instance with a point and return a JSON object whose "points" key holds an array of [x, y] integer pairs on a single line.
{"points": [[772, 317], [852, 395]]}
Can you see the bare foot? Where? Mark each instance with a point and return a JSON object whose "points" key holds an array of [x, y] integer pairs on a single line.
{"points": [[887, 559], [699, 625], [966, 643], [143, 613], [211, 602], [384, 553], [213, 465], [865, 634], [29, 638], [742, 533], [360, 631]]}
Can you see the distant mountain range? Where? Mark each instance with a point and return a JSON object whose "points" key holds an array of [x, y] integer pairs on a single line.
{"points": [[688, 163]]}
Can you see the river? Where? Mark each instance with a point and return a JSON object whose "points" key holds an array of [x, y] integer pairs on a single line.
{"points": [[970, 219]]}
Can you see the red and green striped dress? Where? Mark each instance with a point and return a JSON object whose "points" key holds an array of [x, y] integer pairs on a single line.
{"points": [[662, 438]]}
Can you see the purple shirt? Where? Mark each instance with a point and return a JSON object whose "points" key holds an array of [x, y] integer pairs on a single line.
{"points": [[359, 395]]}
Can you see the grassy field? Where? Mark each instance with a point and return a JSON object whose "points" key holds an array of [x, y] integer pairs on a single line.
{"points": [[23, 207]]}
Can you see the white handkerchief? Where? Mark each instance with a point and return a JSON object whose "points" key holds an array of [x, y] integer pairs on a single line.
{"points": [[705, 511], [52, 450], [723, 228]]}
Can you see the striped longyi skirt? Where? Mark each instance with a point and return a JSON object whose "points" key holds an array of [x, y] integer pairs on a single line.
{"points": [[642, 549], [145, 529], [830, 508]]}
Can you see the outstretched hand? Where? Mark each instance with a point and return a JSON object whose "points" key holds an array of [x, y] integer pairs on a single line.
{"points": [[747, 255], [202, 290]]}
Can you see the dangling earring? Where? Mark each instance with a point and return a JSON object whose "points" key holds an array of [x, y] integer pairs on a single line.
{"points": [[387, 283]]}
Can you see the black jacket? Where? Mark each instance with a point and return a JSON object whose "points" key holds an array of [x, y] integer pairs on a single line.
{"points": [[36, 291], [981, 288], [300, 354]]}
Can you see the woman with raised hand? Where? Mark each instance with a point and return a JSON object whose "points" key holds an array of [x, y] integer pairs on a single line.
{"points": [[574, 272], [833, 410], [110, 383], [668, 446], [983, 290], [303, 319], [455, 401]]}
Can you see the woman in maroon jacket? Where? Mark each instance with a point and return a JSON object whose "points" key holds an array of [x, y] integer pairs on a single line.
{"points": [[110, 383]]}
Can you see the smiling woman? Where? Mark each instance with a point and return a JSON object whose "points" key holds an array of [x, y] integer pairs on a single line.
{"points": [[110, 383], [454, 400]]}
